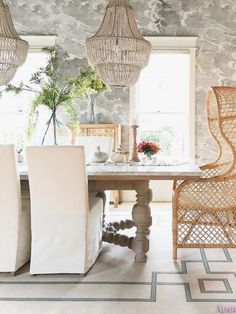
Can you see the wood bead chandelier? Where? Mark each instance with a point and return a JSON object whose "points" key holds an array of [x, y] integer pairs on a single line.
{"points": [[13, 50], [118, 50]]}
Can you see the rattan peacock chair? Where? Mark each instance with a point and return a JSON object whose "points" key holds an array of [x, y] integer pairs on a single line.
{"points": [[204, 211]]}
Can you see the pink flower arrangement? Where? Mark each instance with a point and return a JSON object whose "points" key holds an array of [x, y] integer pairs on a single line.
{"points": [[148, 148]]}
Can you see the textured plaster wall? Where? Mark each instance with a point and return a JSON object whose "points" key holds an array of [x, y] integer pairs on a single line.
{"points": [[212, 21]]}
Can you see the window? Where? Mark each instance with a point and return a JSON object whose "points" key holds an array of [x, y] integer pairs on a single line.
{"points": [[14, 109], [163, 98]]}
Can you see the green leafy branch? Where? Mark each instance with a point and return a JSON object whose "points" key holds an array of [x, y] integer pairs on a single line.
{"points": [[57, 91]]}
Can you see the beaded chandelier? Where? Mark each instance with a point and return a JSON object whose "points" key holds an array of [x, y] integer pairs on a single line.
{"points": [[13, 50], [118, 50]]}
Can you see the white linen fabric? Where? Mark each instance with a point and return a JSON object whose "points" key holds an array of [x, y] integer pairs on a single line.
{"points": [[66, 220], [90, 144], [15, 218]]}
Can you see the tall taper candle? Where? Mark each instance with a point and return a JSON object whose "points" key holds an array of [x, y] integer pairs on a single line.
{"points": [[134, 157]]}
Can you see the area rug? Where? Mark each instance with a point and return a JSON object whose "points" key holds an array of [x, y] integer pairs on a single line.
{"points": [[201, 281]]}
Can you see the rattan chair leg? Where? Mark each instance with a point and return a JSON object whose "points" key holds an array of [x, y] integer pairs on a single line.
{"points": [[175, 253], [174, 232]]}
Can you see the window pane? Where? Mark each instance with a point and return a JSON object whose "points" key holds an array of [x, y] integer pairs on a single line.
{"points": [[163, 102], [164, 84], [168, 130], [14, 109]]}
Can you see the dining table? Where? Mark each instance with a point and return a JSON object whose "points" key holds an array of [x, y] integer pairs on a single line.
{"points": [[137, 177]]}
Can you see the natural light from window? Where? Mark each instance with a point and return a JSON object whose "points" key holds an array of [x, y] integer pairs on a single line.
{"points": [[14, 109], [162, 103]]}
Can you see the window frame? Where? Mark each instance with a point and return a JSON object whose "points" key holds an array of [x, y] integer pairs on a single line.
{"points": [[175, 44], [36, 43]]}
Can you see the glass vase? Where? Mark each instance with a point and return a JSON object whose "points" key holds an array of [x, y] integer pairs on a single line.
{"points": [[91, 104], [148, 159], [44, 133]]}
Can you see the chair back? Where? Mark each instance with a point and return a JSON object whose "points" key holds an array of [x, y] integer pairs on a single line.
{"points": [[221, 112], [91, 143], [59, 205], [10, 208]]}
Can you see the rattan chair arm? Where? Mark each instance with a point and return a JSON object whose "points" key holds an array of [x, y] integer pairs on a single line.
{"points": [[214, 165], [205, 168], [209, 166], [218, 170], [177, 183], [182, 186]]}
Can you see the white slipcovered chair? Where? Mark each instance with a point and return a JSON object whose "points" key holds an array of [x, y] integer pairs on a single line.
{"points": [[14, 218], [90, 144], [66, 219]]}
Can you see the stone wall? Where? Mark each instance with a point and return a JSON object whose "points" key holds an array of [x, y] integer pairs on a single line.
{"points": [[212, 21]]}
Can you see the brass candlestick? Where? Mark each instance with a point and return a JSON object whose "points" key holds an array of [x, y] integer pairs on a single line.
{"points": [[134, 157]]}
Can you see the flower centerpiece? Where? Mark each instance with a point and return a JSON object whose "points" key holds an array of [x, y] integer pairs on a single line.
{"points": [[148, 148]]}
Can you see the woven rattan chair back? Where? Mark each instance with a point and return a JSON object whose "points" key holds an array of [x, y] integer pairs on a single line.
{"points": [[204, 211], [221, 112]]}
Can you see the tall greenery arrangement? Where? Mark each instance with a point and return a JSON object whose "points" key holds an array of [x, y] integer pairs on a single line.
{"points": [[54, 91], [89, 85], [89, 82]]}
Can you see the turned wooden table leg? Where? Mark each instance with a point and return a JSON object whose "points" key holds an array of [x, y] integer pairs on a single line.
{"points": [[116, 197], [102, 195], [149, 199], [142, 218]]}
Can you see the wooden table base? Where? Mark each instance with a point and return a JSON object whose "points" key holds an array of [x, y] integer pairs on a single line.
{"points": [[142, 220]]}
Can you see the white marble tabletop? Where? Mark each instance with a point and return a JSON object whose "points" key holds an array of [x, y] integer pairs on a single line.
{"points": [[126, 171]]}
